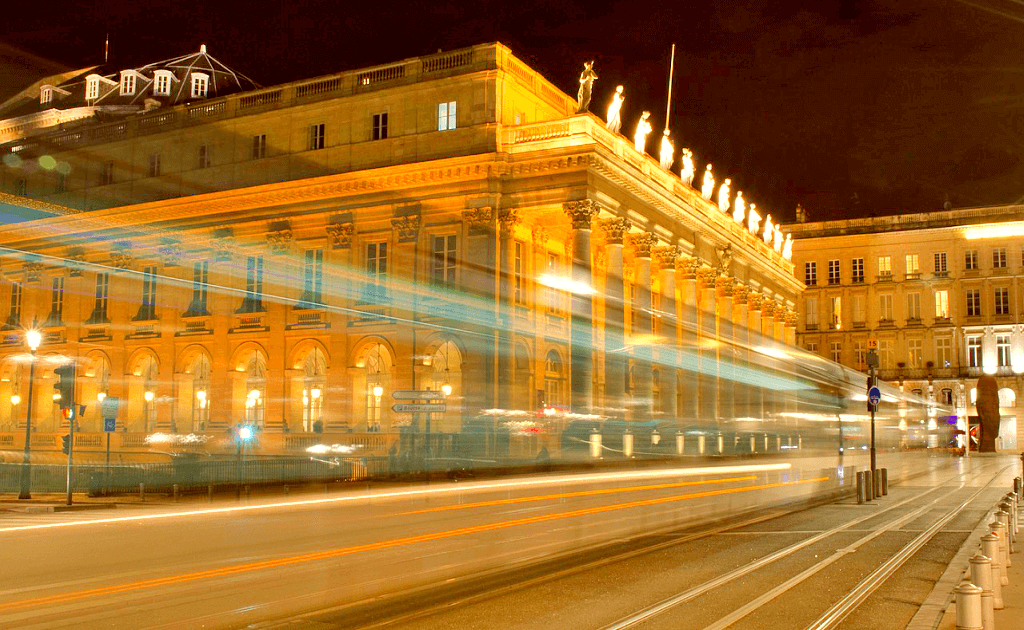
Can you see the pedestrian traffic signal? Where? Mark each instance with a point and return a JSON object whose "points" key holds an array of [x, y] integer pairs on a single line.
{"points": [[67, 444], [64, 388]]}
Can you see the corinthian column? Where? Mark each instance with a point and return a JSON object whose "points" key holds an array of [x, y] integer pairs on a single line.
{"points": [[507, 218], [614, 319], [582, 335], [708, 343], [643, 397], [689, 354], [668, 353]]}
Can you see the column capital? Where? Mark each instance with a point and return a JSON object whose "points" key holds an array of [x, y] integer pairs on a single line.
{"points": [[754, 300], [540, 236], [508, 218], [615, 229], [581, 212], [642, 244], [723, 285], [791, 318], [768, 306], [667, 256], [691, 266], [706, 276], [739, 293], [479, 220]]}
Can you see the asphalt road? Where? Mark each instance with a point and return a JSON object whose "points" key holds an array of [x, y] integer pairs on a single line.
{"points": [[399, 557]]}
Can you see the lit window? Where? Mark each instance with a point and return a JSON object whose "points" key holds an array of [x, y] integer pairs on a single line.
{"points": [[942, 304], [162, 83], [45, 94], [913, 266], [92, 88], [446, 116], [380, 126], [885, 267], [836, 313], [200, 85], [127, 84]]}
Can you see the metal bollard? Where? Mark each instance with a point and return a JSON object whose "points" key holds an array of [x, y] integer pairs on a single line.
{"points": [[655, 438], [990, 549], [209, 492], [627, 443], [595, 444], [1018, 486], [999, 530], [869, 483], [860, 487], [885, 482], [876, 478], [968, 607], [1004, 516], [1006, 507], [701, 444], [981, 576], [680, 443], [1011, 497], [721, 444], [142, 492], [175, 489]]}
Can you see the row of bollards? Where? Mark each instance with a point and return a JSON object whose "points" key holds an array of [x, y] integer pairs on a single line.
{"points": [[595, 443], [871, 485], [982, 593]]}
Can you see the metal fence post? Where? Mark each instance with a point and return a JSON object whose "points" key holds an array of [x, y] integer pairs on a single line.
{"points": [[968, 607], [981, 576]]}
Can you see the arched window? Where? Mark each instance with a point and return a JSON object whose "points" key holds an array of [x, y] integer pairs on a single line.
{"points": [[256, 388], [378, 363], [314, 369], [200, 371], [553, 379], [1007, 398], [946, 396]]}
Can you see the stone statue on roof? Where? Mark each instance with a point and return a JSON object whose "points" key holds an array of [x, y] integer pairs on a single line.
{"points": [[667, 151], [615, 111], [587, 78], [787, 247], [688, 171], [740, 208], [643, 127], [777, 238], [769, 230], [723, 195], [708, 187], [753, 219]]}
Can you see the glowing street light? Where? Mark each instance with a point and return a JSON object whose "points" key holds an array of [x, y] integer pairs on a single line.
{"points": [[101, 396], [149, 396], [15, 399], [33, 338]]}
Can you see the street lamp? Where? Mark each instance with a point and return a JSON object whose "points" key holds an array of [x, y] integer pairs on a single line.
{"points": [[33, 338]]}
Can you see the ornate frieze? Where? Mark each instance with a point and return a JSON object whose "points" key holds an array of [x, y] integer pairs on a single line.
{"points": [[581, 213], [224, 245], [479, 220], [642, 244], [615, 229], [540, 236], [279, 237], [340, 234], [407, 226], [724, 259], [121, 258]]}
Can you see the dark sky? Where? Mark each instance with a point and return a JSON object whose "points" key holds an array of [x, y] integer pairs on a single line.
{"points": [[850, 108]]}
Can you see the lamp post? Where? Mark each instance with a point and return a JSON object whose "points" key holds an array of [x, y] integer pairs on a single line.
{"points": [[33, 337]]}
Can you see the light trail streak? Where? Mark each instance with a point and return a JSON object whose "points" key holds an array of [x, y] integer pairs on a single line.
{"points": [[377, 546], [460, 488]]}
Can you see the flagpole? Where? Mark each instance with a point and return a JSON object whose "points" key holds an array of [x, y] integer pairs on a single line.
{"points": [[671, 70]]}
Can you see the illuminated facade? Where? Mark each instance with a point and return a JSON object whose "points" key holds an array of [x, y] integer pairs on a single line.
{"points": [[304, 250], [939, 291]]}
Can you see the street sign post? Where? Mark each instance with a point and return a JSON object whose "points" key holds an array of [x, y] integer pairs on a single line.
{"points": [[872, 344], [874, 395], [417, 394], [108, 409], [419, 407]]}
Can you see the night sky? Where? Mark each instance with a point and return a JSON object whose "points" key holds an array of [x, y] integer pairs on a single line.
{"points": [[850, 108]]}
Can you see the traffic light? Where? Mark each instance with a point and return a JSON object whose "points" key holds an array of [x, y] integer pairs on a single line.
{"points": [[64, 388], [67, 444]]}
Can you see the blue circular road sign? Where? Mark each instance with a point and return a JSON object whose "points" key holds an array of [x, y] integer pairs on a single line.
{"points": [[874, 395]]}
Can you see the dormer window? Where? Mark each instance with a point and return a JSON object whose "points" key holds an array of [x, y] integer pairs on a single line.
{"points": [[200, 84], [92, 88], [162, 82], [45, 95], [127, 83]]}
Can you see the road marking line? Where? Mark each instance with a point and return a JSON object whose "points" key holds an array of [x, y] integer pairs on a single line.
{"points": [[566, 495], [376, 546]]}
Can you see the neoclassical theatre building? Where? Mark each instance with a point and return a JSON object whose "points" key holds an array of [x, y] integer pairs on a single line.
{"points": [[291, 256]]}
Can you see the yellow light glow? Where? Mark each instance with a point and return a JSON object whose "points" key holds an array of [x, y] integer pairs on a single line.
{"points": [[1002, 230], [315, 393], [33, 338], [378, 391], [254, 394], [446, 389], [201, 394], [566, 284], [100, 396], [56, 396], [15, 399]]}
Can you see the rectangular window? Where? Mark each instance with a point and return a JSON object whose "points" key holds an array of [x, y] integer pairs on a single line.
{"points": [[204, 156], [162, 85], [377, 272], [857, 270], [942, 304], [518, 292], [913, 267], [944, 352], [92, 89], [1002, 295], [200, 85], [833, 272], [106, 173], [859, 316], [914, 306], [1003, 350], [147, 310], [554, 269], [380, 126], [446, 116], [885, 267], [99, 309], [200, 281], [860, 355], [940, 265], [316, 137], [127, 84], [971, 260], [154, 164], [811, 346], [835, 313], [974, 352], [886, 355], [811, 304], [253, 300], [810, 273], [973, 302], [56, 300], [14, 318], [259, 147], [313, 278], [836, 350], [885, 308], [999, 258], [443, 268], [914, 353]]}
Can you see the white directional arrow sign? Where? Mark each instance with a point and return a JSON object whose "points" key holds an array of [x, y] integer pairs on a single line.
{"points": [[419, 408]]}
